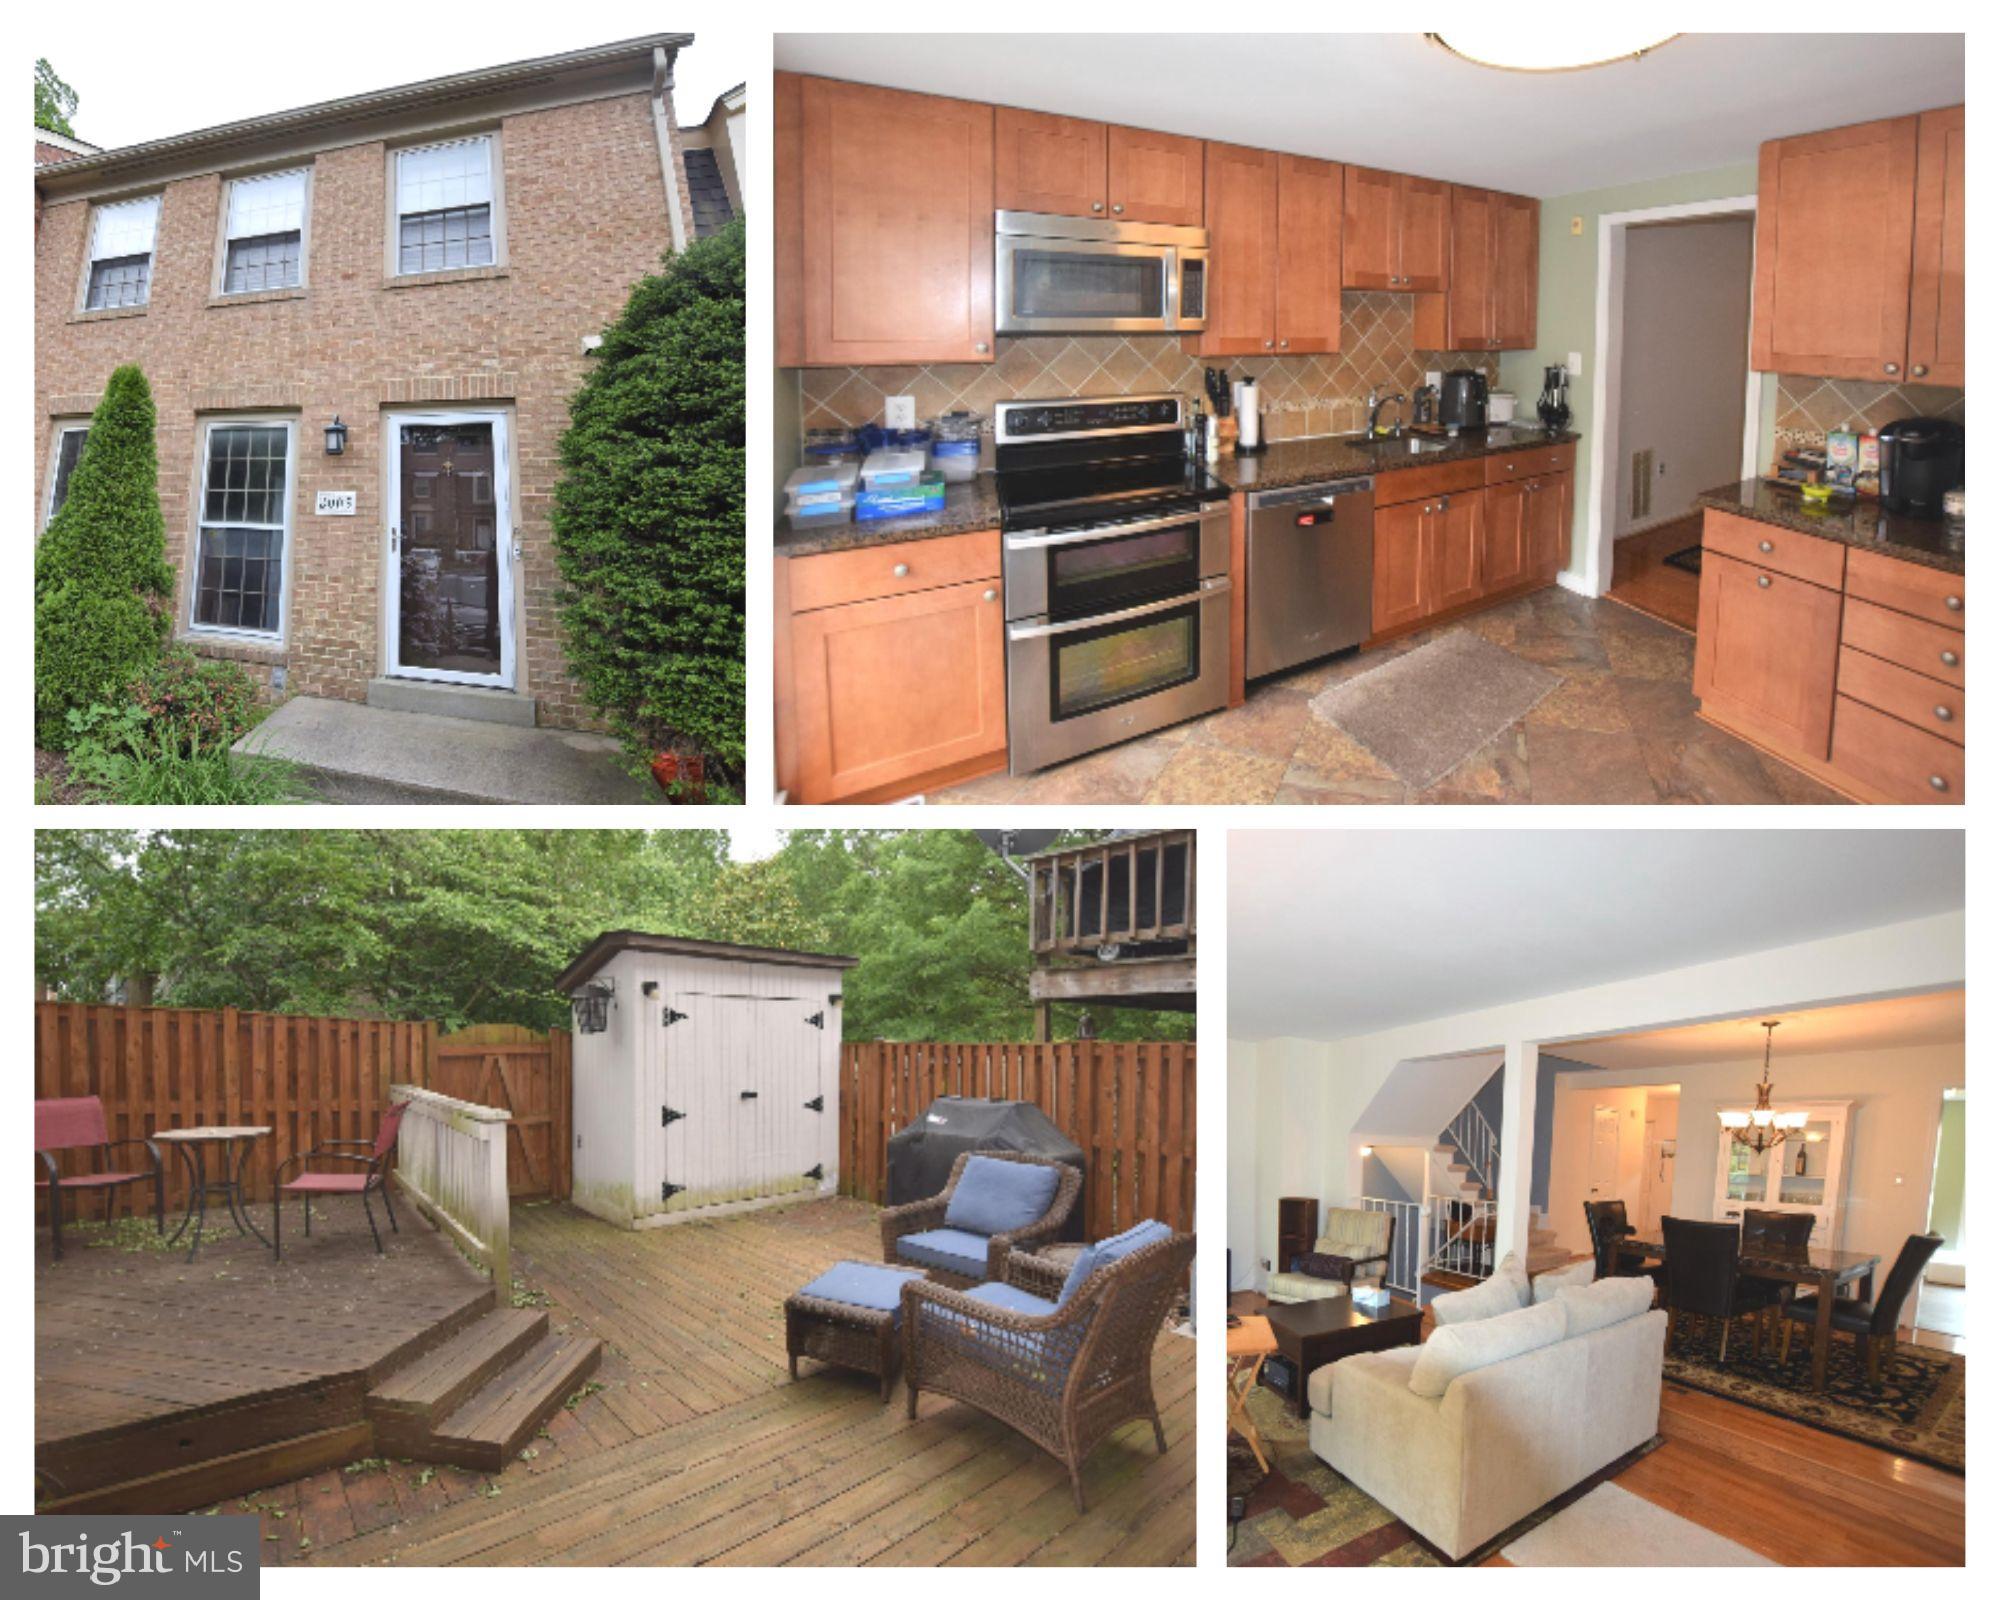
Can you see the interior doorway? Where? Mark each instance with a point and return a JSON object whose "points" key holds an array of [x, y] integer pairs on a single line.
{"points": [[1941, 1297]]}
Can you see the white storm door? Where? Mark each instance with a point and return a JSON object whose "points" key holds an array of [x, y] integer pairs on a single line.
{"points": [[450, 554]]}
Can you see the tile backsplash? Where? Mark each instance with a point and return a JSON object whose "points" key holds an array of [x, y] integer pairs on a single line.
{"points": [[1811, 408], [1302, 395]]}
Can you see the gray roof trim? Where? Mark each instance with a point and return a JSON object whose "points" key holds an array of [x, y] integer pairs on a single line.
{"points": [[606, 945]]}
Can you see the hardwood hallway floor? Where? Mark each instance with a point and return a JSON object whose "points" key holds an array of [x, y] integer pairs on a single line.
{"points": [[1641, 578]]}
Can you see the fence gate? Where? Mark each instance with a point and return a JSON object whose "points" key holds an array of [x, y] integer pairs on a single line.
{"points": [[525, 1074]]}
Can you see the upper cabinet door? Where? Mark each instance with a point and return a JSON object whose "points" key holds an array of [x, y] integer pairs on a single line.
{"points": [[1242, 205], [1308, 260], [1049, 164], [1424, 260], [1155, 177], [1368, 230], [1937, 271], [1469, 302], [1833, 252], [1517, 250], [897, 246]]}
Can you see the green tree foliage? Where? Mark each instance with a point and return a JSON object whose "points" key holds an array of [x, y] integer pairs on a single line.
{"points": [[103, 588], [473, 926], [55, 101], [648, 514]]}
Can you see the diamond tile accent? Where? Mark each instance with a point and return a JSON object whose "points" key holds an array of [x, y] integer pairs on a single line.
{"points": [[1811, 408]]}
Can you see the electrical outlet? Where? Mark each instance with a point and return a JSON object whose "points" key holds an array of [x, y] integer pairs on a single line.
{"points": [[1576, 226], [1576, 363], [899, 411], [1434, 379]]}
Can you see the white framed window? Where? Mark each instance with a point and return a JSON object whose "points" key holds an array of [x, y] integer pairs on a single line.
{"points": [[264, 233], [121, 253], [243, 528], [445, 206], [70, 438]]}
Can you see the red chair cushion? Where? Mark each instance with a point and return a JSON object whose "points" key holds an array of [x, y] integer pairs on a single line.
{"points": [[328, 1183], [70, 1124], [96, 1180]]}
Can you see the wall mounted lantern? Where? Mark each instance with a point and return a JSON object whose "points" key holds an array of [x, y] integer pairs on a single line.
{"points": [[336, 437], [592, 1006]]}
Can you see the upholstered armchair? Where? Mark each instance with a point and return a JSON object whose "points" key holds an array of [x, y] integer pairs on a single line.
{"points": [[1363, 1237], [1063, 1355], [997, 1201]]}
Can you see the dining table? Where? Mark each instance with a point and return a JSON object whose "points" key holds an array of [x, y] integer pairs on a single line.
{"points": [[1824, 1271]]}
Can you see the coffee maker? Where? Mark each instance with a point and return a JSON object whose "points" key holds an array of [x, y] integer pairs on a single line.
{"points": [[1462, 399], [1922, 457]]}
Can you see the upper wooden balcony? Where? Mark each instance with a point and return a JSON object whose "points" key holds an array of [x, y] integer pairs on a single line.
{"points": [[1114, 923]]}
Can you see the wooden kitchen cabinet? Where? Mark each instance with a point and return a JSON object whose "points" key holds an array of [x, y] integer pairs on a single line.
{"points": [[1454, 534], [1273, 251], [1503, 559], [1937, 260], [1396, 232], [1549, 511], [888, 256], [1517, 270], [1493, 279], [1068, 166], [1767, 650], [1402, 591]]}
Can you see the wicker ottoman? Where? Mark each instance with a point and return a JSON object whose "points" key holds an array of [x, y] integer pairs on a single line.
{"points": [[850, 1316]]}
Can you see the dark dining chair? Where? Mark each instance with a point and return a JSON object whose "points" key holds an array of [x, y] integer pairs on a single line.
{"points": [[1608, 1224], [1872, 1322], [1780, 1233], [1704, 1278]]}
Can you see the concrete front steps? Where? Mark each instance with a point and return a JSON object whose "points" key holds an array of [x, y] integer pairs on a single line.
{"points": [[353, 754], [477, 1399]]}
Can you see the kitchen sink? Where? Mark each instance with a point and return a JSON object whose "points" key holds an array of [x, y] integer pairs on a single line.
{"points": [[1409, 445]]}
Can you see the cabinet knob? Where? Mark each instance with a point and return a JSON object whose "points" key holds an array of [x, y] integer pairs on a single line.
{"points": [[1118, 211], [1766, 546], [1267, 344], [1943, 713], [1284, 344], [902, 569], [1918, 372], [1763, 580], [1891, 368], [1444, 503], [980, 348], [1953, 603], [1938, 783], [1948, 657], [990, 595], [1097, 205]]}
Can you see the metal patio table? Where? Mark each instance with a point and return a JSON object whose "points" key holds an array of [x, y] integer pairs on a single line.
{"points": [[193, 1145]]}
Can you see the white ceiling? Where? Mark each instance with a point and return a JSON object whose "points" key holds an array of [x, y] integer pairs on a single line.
{"points": [[1831, 1030], [1338, 932], [1394, 100]]}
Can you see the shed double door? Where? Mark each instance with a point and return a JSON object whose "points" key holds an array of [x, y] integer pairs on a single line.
{"points": [[741, 1103]]}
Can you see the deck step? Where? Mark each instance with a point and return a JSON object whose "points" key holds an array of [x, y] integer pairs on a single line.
{"points": [[489, 1428], [418, 1396]]}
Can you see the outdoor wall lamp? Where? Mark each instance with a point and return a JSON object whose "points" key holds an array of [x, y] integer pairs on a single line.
{"points": [[336, 437], [592, 1006]]}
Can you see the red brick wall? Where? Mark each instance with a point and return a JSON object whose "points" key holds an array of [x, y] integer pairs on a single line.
{"points": [[585, 217]]}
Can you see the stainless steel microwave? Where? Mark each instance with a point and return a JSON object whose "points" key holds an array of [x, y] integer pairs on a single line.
{"points": [[1082, 275]]}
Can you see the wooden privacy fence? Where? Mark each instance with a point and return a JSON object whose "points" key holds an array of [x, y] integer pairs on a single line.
{"points": [[309, 1079], [451, 1159], [1129, 1105]]}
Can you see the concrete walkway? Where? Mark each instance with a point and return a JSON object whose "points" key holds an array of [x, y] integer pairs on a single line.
{"points": [[357, 755]]}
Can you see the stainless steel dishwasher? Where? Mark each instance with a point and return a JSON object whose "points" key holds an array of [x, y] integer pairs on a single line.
{"points": [[1310, 573]]}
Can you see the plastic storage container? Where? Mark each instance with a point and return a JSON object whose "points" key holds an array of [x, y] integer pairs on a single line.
{"points": [[890, 469], [831, 444], [822, 492], [924, 494], [955, 446], [872, 437]]}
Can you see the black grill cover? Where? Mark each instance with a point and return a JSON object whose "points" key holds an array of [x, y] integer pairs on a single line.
{"points": [[920, 1157]]}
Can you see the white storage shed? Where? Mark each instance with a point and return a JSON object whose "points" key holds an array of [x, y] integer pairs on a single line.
{"points": [[705, 1077]]}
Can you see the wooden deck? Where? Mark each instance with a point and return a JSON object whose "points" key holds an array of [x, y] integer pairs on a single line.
{"points": [[697, 1447], [160, 1383]]}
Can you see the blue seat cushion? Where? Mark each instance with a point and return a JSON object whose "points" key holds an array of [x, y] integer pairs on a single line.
{"points": [[1000, 1196], [1005, 1297], [1106, 1251], [947, 1250], [860, 1283]]}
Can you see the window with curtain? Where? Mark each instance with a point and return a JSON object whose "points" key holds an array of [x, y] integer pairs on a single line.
{"points": [[121, 253], [267, 218], [444, 206]]}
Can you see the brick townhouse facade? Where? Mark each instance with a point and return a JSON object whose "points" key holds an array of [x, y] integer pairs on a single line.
{"points": [[413, 278]]}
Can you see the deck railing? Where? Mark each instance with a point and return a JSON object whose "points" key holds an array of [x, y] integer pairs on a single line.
{"points": [[1128, 891], [1406, 1243], [451, 1159]]}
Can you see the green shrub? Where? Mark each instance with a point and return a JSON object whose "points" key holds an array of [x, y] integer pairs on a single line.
{"points": [[648, 514], [103, 588], [193, 703], [123, 757]]}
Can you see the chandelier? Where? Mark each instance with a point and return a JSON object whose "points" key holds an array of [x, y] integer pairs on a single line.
{"points": [[1761, 1128]]}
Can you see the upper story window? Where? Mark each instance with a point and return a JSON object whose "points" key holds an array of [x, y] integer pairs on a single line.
{"points": [[121, 253], [265, 245], [444, 206]]}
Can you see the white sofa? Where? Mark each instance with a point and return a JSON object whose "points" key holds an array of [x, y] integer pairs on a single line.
{"points": [[1502, 1440], [1361, 1236]]}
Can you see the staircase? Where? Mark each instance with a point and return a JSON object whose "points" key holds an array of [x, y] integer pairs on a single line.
{"points": [[479, 1397]]}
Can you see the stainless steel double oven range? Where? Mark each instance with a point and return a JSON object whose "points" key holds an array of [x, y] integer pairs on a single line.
{"points": [[1115, 551]]}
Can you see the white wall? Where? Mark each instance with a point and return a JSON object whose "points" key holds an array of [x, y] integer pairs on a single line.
{"points": [[1684, 361], [1308, 1094]]}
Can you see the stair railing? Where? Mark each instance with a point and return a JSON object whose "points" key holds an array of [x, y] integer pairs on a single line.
{"points": [[1406, 1243], [1460, 1238], [1476, 1142], [451, 1160]]}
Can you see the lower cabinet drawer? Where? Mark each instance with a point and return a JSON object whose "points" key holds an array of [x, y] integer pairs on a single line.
{"points": [[1934, 707], [1510, 465], [1799, 555], [1905, 764], [843, 576], [1904, 586], [1927, 647]]}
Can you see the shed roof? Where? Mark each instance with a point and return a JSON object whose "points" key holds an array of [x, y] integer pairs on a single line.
{"points": [[606, 945]]}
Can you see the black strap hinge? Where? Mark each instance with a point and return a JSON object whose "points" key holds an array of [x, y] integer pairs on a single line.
{"points": [[669, 1190], [817, 1174], [816, 1103], [817, 1020], [669, 1116], [747, 1094], [671, 1016]]}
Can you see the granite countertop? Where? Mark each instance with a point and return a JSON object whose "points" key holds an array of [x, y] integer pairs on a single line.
{"points": [[1291, 462], [1859, 522], [968, 507]]}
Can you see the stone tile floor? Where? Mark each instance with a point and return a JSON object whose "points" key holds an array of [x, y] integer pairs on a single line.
{"points": [[1621, 730]]}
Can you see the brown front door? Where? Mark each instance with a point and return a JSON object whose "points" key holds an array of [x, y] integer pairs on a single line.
{"points": [[452, 613]]}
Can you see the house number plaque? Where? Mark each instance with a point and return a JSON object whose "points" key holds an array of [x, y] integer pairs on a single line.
{"points": [[333, 503]]}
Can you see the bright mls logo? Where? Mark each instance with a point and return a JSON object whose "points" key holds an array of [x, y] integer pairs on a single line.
{"points": [[166, 1557]]}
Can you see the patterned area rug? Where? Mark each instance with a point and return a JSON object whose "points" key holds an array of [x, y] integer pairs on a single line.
{"points": [[1918, 1409]]}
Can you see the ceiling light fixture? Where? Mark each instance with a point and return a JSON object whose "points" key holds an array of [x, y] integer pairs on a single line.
{"points": [[1761, 1128], [1525, 50]]}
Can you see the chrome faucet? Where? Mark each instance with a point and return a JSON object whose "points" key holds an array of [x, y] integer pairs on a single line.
{"points": [[1375, 406]]}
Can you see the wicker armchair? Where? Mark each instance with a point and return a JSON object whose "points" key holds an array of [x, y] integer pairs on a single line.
{"points": [[925, 1216], [1065, 1379]]}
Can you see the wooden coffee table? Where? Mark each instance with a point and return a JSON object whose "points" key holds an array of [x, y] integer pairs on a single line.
{"points": [[1313, 1332]]}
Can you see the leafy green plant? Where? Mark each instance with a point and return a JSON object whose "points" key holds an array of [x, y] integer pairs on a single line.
{"points": [[103, 588], [194, 703], [648, 515], [123, 757], [54, 101]]}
